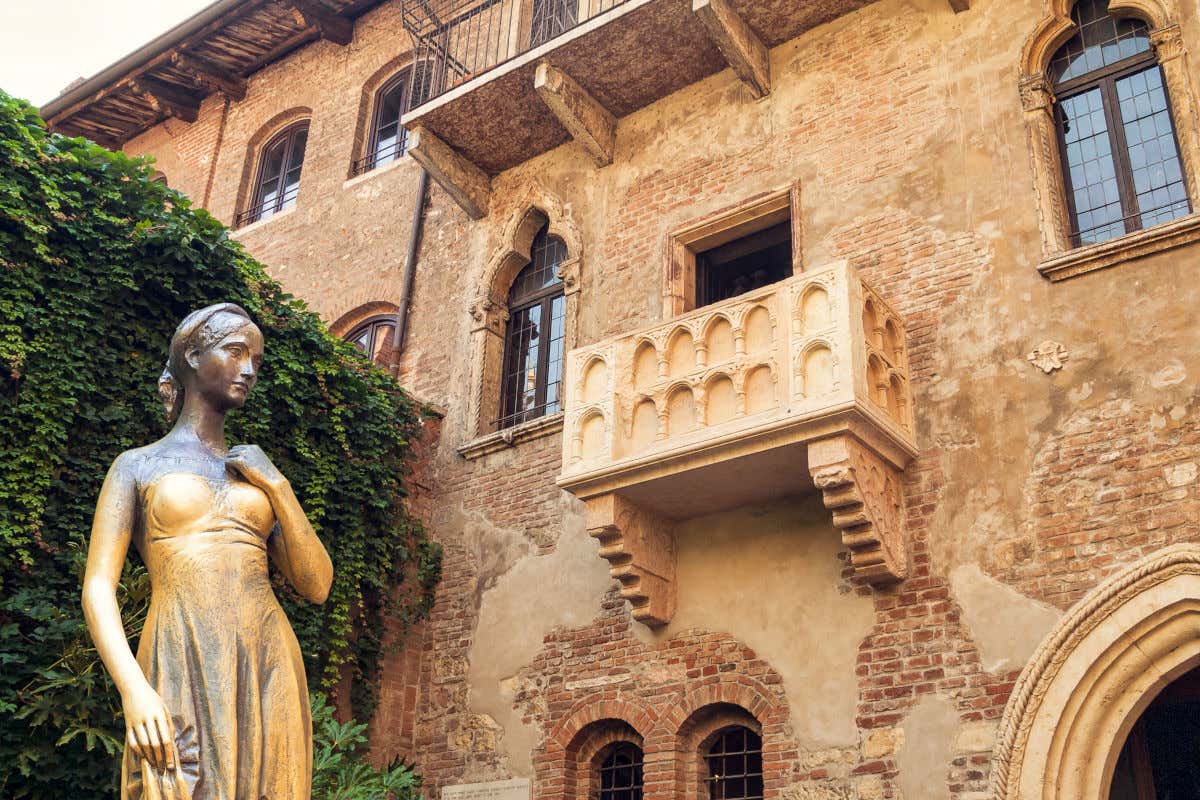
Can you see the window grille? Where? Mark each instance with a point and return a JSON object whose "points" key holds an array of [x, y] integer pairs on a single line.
{"points": [[735, 765], [621, 773]]}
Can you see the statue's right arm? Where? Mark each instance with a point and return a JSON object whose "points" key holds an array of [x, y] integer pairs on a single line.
{"points": [[148, 725]]}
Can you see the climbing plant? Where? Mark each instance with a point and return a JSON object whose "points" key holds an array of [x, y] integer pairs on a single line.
{"points": [[98, 263]]}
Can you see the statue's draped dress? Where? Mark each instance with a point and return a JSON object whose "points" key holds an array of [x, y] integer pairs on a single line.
{"points": [[217, 646]]}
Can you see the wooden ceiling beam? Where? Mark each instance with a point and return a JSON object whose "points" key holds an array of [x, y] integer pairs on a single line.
{"points": [[211, 75], [167, 99], [331, 26]]}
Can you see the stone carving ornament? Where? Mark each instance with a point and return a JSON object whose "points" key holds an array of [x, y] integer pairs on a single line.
{"points": [[216, 702]]}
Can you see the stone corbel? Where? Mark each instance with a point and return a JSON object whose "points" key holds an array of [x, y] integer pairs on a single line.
{"points": [[488, 315], [588, 122], [863, 492], [470, 186], [960, 6], [640, 549], [568, 273], [742, 48]]}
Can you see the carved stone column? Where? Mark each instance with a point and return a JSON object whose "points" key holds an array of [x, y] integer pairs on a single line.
{"points": [[863, 491], [488, 318], [1168, 45], [1037, 100], [640, 549]]}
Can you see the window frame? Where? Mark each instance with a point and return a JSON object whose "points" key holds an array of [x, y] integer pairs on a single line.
{"points": [[544, 299], [374, 323], [255, 211], [1105, 80]]}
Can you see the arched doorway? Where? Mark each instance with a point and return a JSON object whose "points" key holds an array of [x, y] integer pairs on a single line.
{"points": [[1161, 756], [1126, 643]]}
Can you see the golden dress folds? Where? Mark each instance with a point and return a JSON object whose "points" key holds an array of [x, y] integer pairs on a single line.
{"points": [[217, 645]]}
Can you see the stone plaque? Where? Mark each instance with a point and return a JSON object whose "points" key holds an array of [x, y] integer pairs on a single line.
{"points": [[516, 789]]}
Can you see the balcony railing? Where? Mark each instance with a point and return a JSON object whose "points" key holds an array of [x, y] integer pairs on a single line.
{"points": [[797, 386], [460, 39]]}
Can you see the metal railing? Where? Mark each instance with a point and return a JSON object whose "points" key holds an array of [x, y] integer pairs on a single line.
{"points": [[267, 208], [381, 156], [461, 39]]}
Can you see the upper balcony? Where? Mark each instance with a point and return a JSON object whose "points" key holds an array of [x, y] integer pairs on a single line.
{"points": [[509, 79], [799, 386]]}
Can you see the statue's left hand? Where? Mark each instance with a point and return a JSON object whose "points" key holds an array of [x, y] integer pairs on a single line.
{"points": [[252, 463]]}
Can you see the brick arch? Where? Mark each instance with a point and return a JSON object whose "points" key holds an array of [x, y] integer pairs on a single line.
{"points": [[351, 319], [563, 760], [700, 712], [253, 147]]}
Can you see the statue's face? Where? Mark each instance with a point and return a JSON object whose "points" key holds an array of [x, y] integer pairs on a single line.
{"points": [[226, 371]]}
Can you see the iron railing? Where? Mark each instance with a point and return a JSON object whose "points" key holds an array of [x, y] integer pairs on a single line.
{"points": [[461, 39], [381, 156], [268, 207]]}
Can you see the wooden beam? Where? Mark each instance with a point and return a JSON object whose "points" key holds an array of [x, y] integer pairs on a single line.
{"points": [[167, 99], [589, 123], [212, 75], [331, 26], [470, 186], [960, 6], [744, 51]]}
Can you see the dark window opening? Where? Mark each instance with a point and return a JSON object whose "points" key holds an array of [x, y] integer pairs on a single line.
{"points": [[751, 262], [534, 339], [621, 773], [735, 765], [1119, 152], [374, 338], [1161, 757], [279, 169]]}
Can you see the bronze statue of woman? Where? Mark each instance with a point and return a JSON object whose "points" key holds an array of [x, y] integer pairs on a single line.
{"points": [[216, 702]]}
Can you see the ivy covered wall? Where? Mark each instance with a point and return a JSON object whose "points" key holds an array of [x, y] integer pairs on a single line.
{"points": [[97, 265]]}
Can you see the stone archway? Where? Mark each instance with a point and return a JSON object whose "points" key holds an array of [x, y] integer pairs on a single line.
{"points": [[1094, 675]]}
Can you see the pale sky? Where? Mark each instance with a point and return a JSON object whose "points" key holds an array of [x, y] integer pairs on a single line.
{"points": [[46, 44]]}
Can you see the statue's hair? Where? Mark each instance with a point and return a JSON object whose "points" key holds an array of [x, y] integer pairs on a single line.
{"points": [[199, 329]]}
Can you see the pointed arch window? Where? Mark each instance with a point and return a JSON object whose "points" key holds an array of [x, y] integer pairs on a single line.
{"points": [[278, 177], [1120, 154], [534, 338]]}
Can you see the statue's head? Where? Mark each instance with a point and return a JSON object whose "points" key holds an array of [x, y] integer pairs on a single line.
{"points": [[216, 353]]}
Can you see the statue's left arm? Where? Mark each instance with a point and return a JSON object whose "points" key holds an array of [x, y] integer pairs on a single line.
{"points": [[296, 550]]}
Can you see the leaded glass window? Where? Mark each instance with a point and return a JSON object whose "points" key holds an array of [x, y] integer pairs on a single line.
{"points": [[1119, 152], [534, 339]]}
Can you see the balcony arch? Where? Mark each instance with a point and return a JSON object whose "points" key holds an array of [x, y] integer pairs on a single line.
{"points": [[1093, 676]]}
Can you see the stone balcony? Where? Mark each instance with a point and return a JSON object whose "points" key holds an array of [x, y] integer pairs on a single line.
{"points": [[798, 387], [505, 83]]}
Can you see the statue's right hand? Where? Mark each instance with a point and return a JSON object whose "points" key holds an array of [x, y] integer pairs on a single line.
{"points": [[148, 729]]}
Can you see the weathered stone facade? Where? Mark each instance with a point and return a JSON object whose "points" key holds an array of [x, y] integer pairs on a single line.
{"points": [[900, 128]]}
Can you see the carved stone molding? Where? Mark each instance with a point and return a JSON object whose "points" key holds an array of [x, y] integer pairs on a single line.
{"points": [[1048, 356], [640, 549], [1104, 661], [1168, 43], [863, 492], [1036, 93]]}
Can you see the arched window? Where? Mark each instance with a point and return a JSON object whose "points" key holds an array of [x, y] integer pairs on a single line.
{"points": [[620, 772], [533, 341], [388, 139], [734, 761], [278, 180], [1159, 758], [375, 338], [1119, 151]]}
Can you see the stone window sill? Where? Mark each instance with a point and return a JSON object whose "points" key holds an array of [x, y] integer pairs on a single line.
{"points": [[375, 172], [1082, 260], [510, 437], [253, 226]]}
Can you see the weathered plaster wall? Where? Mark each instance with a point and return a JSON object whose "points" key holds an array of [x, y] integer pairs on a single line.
{"points": [[903, 127]]}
